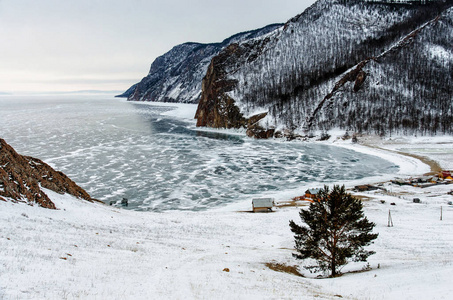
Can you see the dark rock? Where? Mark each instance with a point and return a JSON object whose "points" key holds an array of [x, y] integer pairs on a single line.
{"points": [[259, 132], [360, 79], [216, 109], [278, 135], [255, 119], [324, 136]]}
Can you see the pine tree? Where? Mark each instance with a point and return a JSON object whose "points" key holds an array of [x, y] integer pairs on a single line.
{"points": [[336, 231]]}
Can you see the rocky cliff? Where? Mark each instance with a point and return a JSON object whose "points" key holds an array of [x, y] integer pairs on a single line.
{"points": [[176, 76], [216, 108], [23, 177], [366, 66]]}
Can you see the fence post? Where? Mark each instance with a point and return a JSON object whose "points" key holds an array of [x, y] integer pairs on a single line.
{"points": [[390, 221]]}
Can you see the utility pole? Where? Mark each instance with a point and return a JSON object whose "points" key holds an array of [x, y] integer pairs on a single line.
{"points": [[390, 221]]}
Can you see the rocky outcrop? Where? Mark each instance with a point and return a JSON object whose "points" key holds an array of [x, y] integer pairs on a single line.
{"points": [[23, 177], [255, 130], [216, 108], [360, 79]]}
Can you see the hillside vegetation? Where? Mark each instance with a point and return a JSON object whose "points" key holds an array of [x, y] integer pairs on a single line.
{"points": [[361, 66]]}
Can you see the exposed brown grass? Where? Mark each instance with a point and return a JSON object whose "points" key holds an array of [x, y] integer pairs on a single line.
{"points": [[278, 267]]}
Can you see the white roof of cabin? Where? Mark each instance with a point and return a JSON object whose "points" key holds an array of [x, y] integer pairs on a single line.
{"points": [[263, 202], [313, 191]]}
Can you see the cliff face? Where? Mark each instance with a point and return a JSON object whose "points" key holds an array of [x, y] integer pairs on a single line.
{"points": [[176, 76], [22, 177], [364, 66], [216, 108]]}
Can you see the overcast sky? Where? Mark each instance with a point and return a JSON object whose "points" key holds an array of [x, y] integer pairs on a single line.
{"points": [[62, 45]]}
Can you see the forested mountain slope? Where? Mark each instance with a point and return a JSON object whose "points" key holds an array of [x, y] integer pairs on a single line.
{"points": [[364, 66], [176, 76]]}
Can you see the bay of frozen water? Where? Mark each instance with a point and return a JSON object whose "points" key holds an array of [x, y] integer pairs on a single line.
{"points": [[115, 149]]}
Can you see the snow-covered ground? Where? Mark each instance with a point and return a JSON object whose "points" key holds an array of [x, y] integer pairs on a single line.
{"points": [[93, 251]]}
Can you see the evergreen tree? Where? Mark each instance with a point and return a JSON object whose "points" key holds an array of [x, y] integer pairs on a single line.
{"points": [[336, 231]]}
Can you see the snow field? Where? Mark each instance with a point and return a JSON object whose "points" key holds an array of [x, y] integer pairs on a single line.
{"points": [[438, 148], [414, 255], [92, 251]]}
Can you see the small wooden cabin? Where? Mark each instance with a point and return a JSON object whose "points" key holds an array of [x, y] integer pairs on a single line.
{"points": [[446, 175], [262, 204], [311, 193]]}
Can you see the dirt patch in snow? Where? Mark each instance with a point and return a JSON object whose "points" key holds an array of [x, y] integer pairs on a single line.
{"points": [[279, 267]]}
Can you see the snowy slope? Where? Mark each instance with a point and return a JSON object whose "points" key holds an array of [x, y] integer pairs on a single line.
{"points": [[370, 67], [92, 251]]}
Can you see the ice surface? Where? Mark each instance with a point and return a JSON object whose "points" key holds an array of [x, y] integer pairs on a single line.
{"points": [[152, 154]]}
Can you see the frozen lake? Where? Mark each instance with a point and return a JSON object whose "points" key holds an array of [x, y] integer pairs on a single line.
{"points": [[115, 149]]}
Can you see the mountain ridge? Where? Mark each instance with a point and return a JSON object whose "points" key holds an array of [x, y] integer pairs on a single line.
{"points": [[298, 77], [176, 75]]}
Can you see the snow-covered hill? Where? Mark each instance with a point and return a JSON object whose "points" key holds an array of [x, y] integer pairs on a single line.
{"points": [[176, 76], [373, 67]]}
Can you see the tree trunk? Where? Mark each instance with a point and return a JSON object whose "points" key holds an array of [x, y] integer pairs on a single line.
{"points": [[333, 268]]}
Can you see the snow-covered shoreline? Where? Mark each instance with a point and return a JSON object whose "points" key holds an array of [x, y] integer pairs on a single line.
{"points": [[408, 165], [372, 145]]}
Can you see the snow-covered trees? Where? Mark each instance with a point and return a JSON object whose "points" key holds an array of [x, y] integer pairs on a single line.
{"points": [[407, 90]]}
